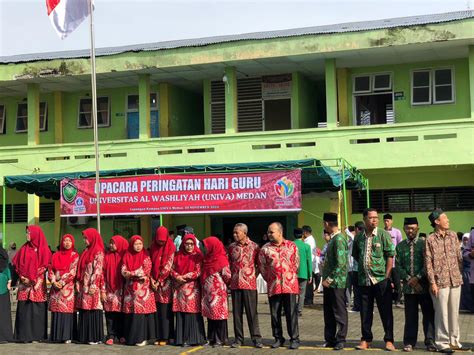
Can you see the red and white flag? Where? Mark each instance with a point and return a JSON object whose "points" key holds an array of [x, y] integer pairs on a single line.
{"points": [[67, 15]]}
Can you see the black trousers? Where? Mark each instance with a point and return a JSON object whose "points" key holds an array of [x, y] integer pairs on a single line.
{"points": [[410, 333], [335, 315], [217, 331], [114, 322], [382, 294], [245, 300], [397, 291], [310, 288], [286, 301], [357, 299]]}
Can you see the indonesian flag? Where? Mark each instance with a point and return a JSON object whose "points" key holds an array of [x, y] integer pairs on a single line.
{"points": [[67, 15]]}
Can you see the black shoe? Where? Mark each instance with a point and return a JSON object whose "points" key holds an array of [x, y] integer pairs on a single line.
{"points": [[218, 345], [300, 314], [339, 346], [236, 345], [327, 345], [185, 345], [258, 344], [446, 351], [278, 343], [294, 345]]}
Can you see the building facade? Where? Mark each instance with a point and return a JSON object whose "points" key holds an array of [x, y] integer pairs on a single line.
{"points": [[395, 98]]}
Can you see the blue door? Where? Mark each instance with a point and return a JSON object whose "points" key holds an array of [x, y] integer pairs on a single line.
{"points": [[133, 125], [154, 124]]}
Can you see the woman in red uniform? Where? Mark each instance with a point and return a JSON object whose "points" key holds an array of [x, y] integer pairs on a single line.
{"points": [[88, 285], [162, 256], [31, 263], [112, 291], [187, 293], [61, 274], [214, 279], [139, 301]]}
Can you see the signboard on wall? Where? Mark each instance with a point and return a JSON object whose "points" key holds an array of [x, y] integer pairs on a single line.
{"points": [[184, 193], [276, 87]]}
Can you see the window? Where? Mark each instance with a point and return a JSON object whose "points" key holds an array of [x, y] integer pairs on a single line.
{"points": [[2, 119], [432, 86], [416, 200], [364, 84], [22, 117], [361, 84], [85, 112], [133, 102], [46, 213]]}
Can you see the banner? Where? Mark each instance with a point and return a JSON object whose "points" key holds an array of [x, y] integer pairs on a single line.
{"points": [[184, 193]]}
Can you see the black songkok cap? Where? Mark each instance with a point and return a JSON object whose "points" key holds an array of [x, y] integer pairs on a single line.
{"points": [[297, 232], [410, 220], [387, 216], [180, 227], [330, 217], [435, 214]]}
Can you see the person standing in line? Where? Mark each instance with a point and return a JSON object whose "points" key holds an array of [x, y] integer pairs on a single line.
{"points": [[359, 227], [112, 290], [62, 274], [31, 263], [89, 283], [315, 277], [186, 271], [138, 299], [243, 260], [279, 262], [373, 250], [305, 269], [443, 263], [350, 234], [396, 235], [466, 303], [468, 255], [6, 330], [215, 277], [180, 232], [411, 268], [334, 285], [11, 254], [162, 256]]}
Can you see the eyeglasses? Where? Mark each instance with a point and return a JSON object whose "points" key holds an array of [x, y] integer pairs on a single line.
{"points": [[189, 244]]}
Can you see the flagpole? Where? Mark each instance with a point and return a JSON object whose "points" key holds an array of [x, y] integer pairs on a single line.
{"points": [[94, 112]]}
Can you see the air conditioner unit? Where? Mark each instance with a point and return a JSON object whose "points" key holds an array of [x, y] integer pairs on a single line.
{"points": [[77, 221]]}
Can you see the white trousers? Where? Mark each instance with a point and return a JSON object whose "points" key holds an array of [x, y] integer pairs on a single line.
{"points": [[446, 321]]}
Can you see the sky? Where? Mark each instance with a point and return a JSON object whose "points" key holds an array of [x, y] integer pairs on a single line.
{"points": [[25, 27]]}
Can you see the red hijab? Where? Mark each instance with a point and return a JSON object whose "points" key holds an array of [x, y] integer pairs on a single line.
{"points": [[160, 254], [113, 264], [185, 262], [63, 258], [215, 258], [96, 245], [33, 255], [133, 260]]}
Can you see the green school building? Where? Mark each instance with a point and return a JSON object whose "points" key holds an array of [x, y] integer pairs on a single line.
{"points": [[394, 98]]}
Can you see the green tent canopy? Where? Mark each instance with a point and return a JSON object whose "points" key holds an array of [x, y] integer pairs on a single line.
{"points": [[317, 175]]}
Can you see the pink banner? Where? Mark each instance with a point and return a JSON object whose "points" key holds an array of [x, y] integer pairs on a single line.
{"points": [[184, 193]]}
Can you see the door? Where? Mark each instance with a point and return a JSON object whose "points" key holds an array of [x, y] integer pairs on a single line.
{"points": [[133, 125]]}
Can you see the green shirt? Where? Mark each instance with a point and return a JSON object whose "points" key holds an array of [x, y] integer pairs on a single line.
{"points": [[336, 261], [409, 262], [5, 276], [304, 250], [372, 252]]}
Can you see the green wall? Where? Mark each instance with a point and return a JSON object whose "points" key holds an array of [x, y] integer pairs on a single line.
{"points": [[314, 206], [186, 115], [401, 80], [304, 106]]}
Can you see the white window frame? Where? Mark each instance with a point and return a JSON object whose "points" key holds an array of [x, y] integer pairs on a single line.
{"points": [[354, 84], [44, 116], [152, 107], [388, 88], [2, 119], [80, 112], [435, 86], [432, 87]]}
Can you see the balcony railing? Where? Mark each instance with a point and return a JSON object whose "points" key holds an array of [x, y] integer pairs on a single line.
{"points": [[366, 147]]}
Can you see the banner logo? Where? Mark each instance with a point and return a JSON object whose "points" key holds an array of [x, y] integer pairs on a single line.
{"points": [[284, 187], [69, 192]]}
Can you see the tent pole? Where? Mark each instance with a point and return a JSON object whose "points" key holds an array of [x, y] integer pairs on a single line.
{"points": [[4, 215], [368, 193], [344, 193]]}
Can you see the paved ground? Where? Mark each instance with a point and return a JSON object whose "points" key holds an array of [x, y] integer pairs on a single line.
{"points": [[311, 335]]}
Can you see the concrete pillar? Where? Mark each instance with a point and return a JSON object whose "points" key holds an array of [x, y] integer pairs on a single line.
{"points": [[207, 106], [231, 100], [144, 105], [164, 115], [295, 100], [331, 92], [58, 117], [33, 98], [342, 97], [471, 77], [33, 209]]}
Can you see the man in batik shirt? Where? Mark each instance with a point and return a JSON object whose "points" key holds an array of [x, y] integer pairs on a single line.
{"points": [[279, 262], [374, 251], [334, 285], [243, 259], [411, 268]]}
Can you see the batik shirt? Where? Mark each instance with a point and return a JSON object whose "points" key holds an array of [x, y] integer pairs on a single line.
{"points": [[336, 263], [165, 287], [443, 260], [92, 278], [138, 297], [63, 300], [410, 263], [243, 265], [187, 296], [214, 295], [34, 292], [371, 253], [279, 267]]}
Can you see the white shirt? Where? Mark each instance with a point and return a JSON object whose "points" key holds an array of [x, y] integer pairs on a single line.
{"points": [[314, 254]]}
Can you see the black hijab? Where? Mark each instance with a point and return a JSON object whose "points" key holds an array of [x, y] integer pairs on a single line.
{"points": [[3, 259]]}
